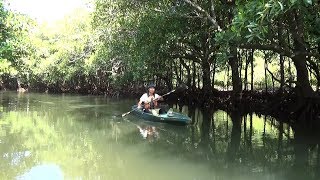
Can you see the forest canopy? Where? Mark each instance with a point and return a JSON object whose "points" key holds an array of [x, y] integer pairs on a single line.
{"points": [[209, 45]]}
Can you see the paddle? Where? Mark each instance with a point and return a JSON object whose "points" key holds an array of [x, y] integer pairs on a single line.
{"points": [[181, 87]]}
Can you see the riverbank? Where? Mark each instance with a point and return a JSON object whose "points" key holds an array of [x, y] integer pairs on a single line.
{"points": [[286, 106]]}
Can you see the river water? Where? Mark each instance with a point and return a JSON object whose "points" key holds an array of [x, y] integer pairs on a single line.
{"points": [[84, 137]]}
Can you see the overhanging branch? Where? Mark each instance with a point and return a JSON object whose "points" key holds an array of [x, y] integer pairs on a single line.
{"points": [[270, 47], [276, 79], [199, 9], [278, 49]]}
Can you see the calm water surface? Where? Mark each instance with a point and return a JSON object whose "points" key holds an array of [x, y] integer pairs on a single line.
{"points": [[83, 137]]}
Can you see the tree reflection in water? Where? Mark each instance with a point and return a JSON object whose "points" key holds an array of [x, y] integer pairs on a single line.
{"points": [[86, 141], [236, 142]]}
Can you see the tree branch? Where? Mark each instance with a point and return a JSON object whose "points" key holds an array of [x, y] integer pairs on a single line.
{"points": [[270, 47], [276, 78], [199, 9], [278, 49], [185, 56]]}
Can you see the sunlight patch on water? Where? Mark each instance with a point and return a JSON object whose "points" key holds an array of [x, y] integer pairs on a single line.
{"points": [[43, 171]]}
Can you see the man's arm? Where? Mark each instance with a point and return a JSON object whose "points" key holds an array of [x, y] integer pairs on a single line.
{"points": [[142, 99], [157, 98]]}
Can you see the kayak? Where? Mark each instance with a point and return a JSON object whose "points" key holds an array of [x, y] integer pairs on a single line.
{"points": [[170, 117]]}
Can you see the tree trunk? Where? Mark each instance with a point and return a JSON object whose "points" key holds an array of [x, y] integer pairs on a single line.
{"points": [[194, 75], [206, 81], [198, 80], [236, 81], [177, 73], [316, 70], [246, 72], [188, 72], [251, 60], [290, 75], [281, 74], [213, 73], [281, 43], [240, 60], [273, 89], [265, 74], [180, 72], [227, 88], [233, 59], [303, 86]]}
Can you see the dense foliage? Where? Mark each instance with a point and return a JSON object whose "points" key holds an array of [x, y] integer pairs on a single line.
{"points": [[122, 45]]}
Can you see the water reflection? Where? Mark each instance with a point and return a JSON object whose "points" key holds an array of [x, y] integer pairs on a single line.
{"points": [[44, 171], [148, 132], [253, 143], [81, 137]]}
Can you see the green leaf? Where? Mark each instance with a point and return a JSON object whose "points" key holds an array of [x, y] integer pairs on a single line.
{"points": [[308, 2], [259, 37], [281, 5], [293, 2], [248, 36], [268, 5], [250, 39]]}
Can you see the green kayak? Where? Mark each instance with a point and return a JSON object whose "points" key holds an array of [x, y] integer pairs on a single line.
{"points": [[173, 117]]}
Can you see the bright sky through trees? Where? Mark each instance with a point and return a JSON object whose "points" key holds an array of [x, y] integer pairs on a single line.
{"points": [[46, 10]]}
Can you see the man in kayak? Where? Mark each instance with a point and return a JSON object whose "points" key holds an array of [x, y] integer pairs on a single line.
{"points": [[150, 99]]}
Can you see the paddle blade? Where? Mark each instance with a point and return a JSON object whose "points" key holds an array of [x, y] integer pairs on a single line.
{"points": [[124, 114]]}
